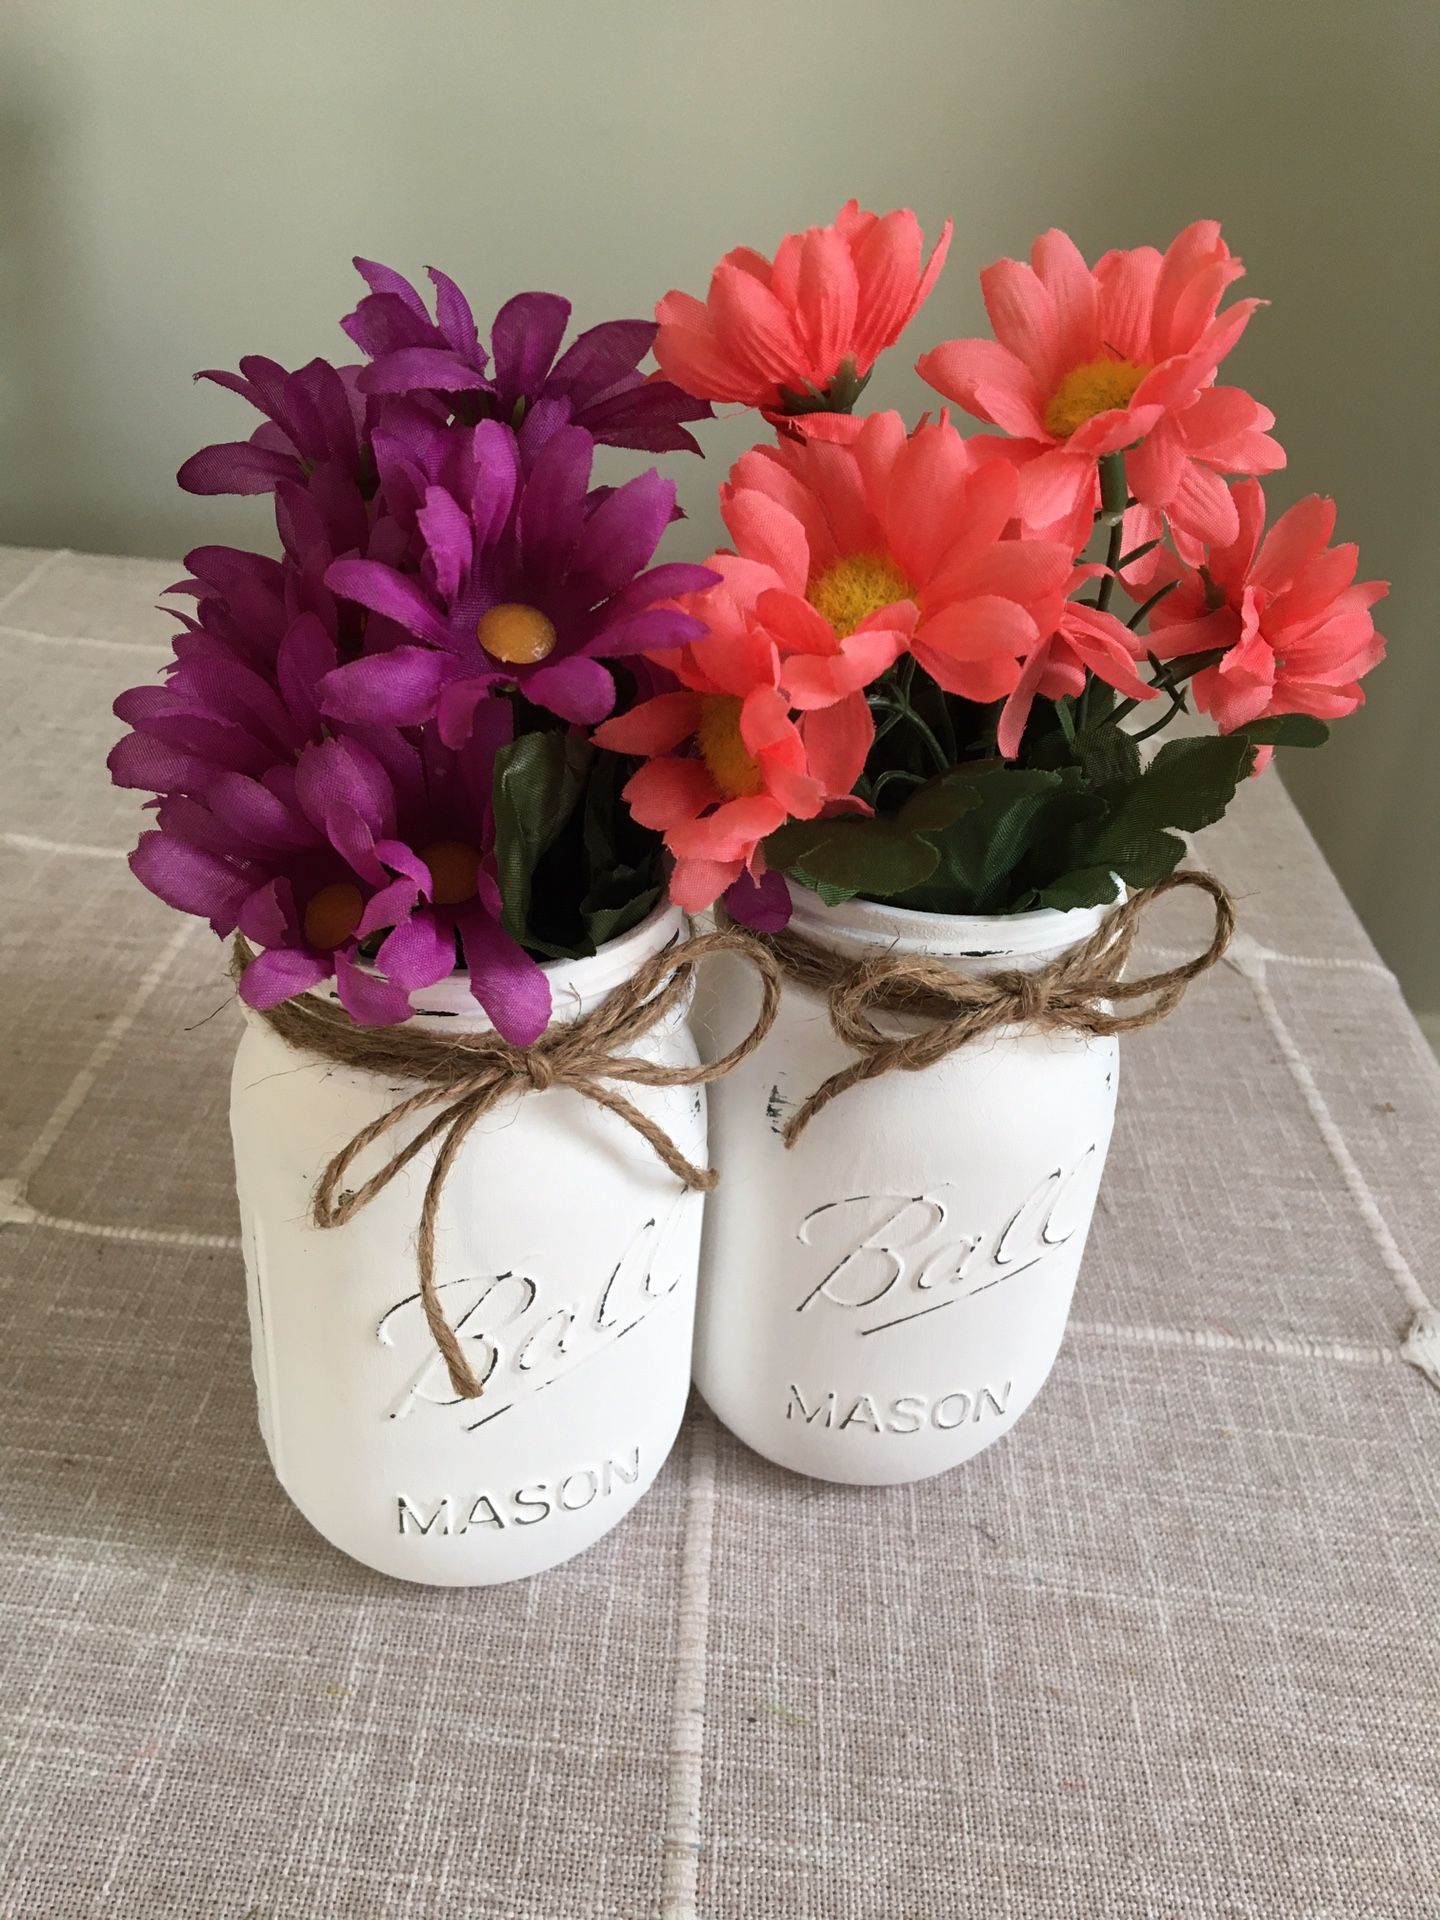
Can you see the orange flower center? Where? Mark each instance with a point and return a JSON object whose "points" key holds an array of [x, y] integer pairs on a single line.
{"points": [[732, 766], [453, 868], [518, 635], [332, 914], [1097, 387], [856, 587]]}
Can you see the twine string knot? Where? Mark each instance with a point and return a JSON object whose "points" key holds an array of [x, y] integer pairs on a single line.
{"points": [[1081, 991]]}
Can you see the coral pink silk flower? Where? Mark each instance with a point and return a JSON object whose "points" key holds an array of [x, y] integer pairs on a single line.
{"points": [[831, 301], [726, 761], [858, 541], [1086, 638], [1295, 624], [1087, 362]]}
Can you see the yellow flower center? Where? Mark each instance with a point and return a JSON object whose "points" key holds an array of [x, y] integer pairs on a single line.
{"points": [[1094, 388], [732, 766], [332, 914], [856, 587], [453, 867], [516, 634]]}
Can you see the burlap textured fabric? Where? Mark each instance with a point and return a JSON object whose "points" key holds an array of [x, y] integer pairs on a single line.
{"points": [[1168, 1650]]}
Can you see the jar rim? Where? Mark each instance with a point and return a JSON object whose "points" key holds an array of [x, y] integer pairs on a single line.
{"points": [[877, 923]]}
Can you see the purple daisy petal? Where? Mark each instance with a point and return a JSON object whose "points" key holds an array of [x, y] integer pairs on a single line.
{"points": [[389, 907], [552, 507], [546, 416], [418, 953], [369, 1000], [217, 746], [455, 710], [236, 466], [268, 917], [182, 818], [427, 369], [455, 318], [384, 591], [402, 860], [578, 689], [648, 632], [449, 541], [280, 974], [644, 414], [138, 704], [601, 355], [255, 813], [383, 323], [510, 986], [395, 689], [524, 340], [763, 904], [334, 774], [353, 839], [381, 279], [155, 766], [666, 582], [307, 654], [267, 378], [185, 877], [623, 532], [497, 478]]}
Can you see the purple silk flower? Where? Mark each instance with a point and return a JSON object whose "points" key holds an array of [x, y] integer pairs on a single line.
{"points": [[311, 840], [525, 580], [595, 384], [321, 748]]}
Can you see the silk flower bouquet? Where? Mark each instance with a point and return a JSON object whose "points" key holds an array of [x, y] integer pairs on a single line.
{"points": [[469, 1136], [917, 749], [454, 767]]}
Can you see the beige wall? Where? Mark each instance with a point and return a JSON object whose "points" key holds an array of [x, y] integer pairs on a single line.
{"points": [[182, 181]]}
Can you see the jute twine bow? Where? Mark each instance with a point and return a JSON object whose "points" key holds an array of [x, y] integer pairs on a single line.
{"points": [[1080, 992], [467, 1075]]}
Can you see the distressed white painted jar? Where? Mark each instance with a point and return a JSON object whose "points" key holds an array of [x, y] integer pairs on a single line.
{"points": [[885, 1298], [566, 1256]]}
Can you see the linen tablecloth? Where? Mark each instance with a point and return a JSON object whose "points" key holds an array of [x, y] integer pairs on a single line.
{"points": [[1169, 1649]]}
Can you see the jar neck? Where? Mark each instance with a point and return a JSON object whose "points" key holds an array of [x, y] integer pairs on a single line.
{"points": [[970, 943]]}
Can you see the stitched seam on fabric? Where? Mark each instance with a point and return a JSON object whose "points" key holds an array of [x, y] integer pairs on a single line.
{"points": [[16, 1211], [1291, 1346], [1327, 963], [35, 843], [685, 1770], [1250, 958]]}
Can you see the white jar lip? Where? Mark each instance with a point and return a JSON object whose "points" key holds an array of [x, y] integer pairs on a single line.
{"points": [[957, 936], [575, 985]]}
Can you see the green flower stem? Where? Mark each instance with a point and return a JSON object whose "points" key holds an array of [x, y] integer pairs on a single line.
{"points": [[882, 780], [1140, 612], [892, 697], [1112, 566], [1114, 499], [1114, 493], [903, 708], [1169, 682], [839, 397], [1177, 705]]}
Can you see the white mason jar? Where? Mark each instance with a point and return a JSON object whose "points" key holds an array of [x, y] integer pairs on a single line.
{"points": [[566, 1256], [885, 1298]]}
